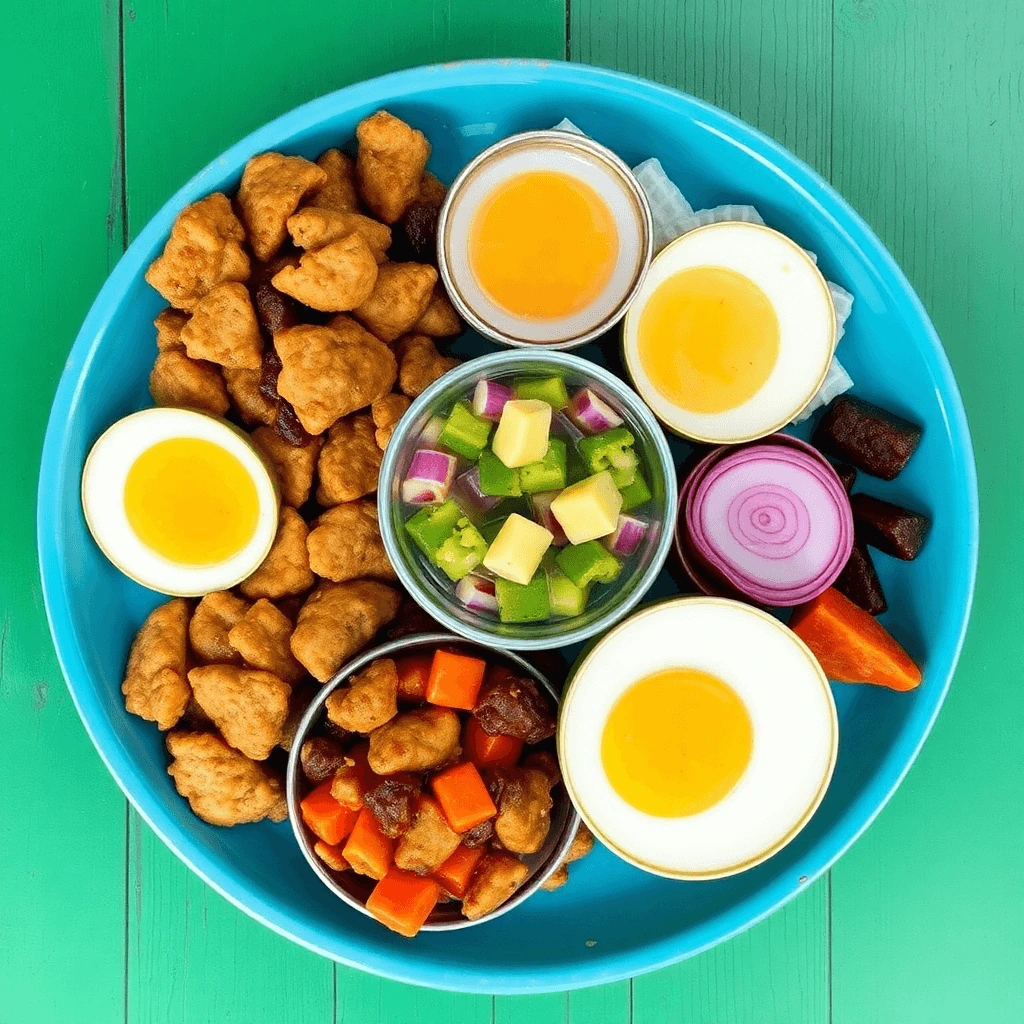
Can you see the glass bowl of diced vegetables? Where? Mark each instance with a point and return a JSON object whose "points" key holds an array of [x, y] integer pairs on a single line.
{"points": [[526, 499]]}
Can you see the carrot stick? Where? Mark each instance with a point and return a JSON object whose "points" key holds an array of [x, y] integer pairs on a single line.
{"points": [[368, 850], [455, 680], [851, 645], [454, 874], [403, 901], [486, 751], [325, 817], [463, 797]]}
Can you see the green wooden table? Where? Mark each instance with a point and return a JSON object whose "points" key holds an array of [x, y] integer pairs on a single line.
{"points": [[911, 108]]}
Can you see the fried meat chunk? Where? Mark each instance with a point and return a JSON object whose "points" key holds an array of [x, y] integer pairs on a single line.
{"points": [[420, 364], [386, 412], [204, 250], [313, 227], [524, 810], [400, 296], [321, 757], [338, 277], [272, 187], [439, 319], [345, 543], [513, 705], [390, 164], [496, 878], [182, 383], [330, 371], [582, 844], [155, 687], [339, 191], [252, 404], [168, 324], [415, 741], [285, 571], [261, 638], [393, 802], [223, 786], [338, 620], [350, 461], [294, 466], [223, 328], [431, 190], [429, 841], [215, 616], [370, 699], [247, 705]]}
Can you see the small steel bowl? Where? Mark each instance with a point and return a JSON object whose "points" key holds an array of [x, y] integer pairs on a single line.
{"points": [[354, 889]]}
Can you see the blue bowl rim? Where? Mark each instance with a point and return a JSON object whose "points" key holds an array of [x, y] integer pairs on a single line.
{"points": [[507, 359], [821, 197]]}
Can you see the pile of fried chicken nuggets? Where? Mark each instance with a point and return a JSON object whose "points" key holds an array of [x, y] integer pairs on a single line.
{"points": [[306, 309]]}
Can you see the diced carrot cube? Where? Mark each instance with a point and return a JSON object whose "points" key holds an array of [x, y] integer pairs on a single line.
{"points": [[455, 680], [454, 874], [403, 901], [486, 751], [463, 797], [325, 817]]}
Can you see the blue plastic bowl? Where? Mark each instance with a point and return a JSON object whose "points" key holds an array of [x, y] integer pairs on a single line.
{"points": [[612, 920]]}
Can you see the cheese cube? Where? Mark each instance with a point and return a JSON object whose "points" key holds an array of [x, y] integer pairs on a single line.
{"points": [[522, 434], [589, 509], [517, 550]]}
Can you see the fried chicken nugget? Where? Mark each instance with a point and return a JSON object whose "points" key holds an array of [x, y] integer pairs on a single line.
{"points": [[247, 705], [390, 164], [399, 298], [214, 618], [261, 638], [420, 364], [313, 227], [339, 619], [168, 324], [386, 412], [582, 844], [524, 810], [338, 277], [223, 328], [496, 878], [339, 191], [349, 462], [285, 571], [155, 687], [331, 371], [431, 190], [415, 741], [370, 699], [221, 785], [272, 188], [244, 388], [183, 383], [439, 320], [345, 543], [203, 251], [429, 842], [294, 466]]}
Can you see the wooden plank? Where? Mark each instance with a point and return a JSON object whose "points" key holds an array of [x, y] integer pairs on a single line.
{"points": [[551, 1008], [603, 1004], [197, 77], [929, 906], [771, 65], [62, 818]]}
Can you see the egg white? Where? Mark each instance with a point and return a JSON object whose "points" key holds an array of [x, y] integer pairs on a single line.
{"points": [[803, 305], [103, 482], [795, 735], [607, 176]]}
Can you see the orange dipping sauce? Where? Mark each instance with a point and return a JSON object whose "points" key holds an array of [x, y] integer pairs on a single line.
{"points": [[543, 245]]}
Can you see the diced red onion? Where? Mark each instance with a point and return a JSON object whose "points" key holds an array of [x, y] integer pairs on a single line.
{"points": [[430, 477], [489, 399], [541, 505], [477, 594], [591, 413], [432, 431], [468, 495], [629, 532]]}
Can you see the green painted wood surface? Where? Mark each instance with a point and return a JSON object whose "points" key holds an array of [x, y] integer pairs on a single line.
{"points": [[911, 107]]}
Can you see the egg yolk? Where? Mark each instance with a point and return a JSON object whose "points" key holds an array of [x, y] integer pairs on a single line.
{"points": [[676, 742], [708, 339], [191, 501], [543, 245]]}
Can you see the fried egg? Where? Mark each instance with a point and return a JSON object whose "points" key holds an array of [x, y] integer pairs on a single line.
{"points": [[179, 501], [731, 334], [698, 737]]}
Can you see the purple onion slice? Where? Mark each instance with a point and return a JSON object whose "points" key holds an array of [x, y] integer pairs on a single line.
{"points": [[489, 398], [477, 594], [430, 477], [591, 413]]}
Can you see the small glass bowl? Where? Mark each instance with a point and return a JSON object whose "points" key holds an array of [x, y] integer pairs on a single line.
{"points": [[435, 593]]}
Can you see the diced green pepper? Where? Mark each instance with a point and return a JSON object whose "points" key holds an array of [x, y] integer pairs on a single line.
{"points": [[549, 473], [545, 389], [464, 433], [611, 450], [589, 562], [564, 597], [519, 603], [635, 494], [496, 478], [462, 552], [431, 527], [575, 468]]}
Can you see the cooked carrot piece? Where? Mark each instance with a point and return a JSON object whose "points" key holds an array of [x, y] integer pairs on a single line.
{"points": [[368, 850], [489, 751], [851, 645], [325, 817], [413, 674], [463, 797], [331, 855], [455, 680], [454, 874], [403, 901]]}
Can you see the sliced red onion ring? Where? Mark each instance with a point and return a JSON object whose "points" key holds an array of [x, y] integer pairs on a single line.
{"points": [[469, 497], [477, 594], [591, 413], [629, 532], [489, 399], [430, 477], [541, 505]]}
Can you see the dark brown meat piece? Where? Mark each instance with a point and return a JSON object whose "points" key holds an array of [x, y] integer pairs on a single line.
{"points": [[546, 762], [482, 833], [288, 426], [321, 757], [859, 581], [512, 705], [416, 233], [394, 803], [412, 620], [274, 310], [872, 438], [891, 528], [847, 475]]}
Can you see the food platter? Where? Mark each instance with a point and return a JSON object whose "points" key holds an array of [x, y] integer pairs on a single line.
{"points": [[612, 921]]}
